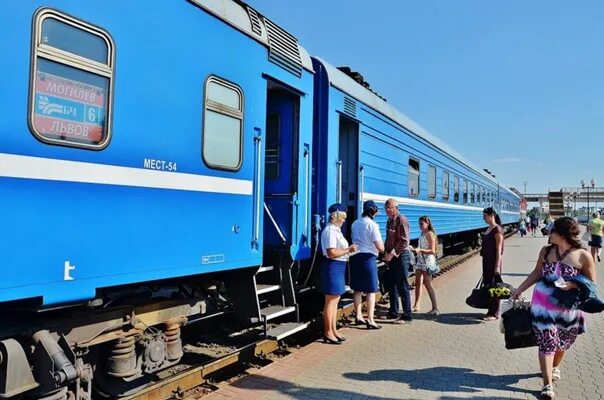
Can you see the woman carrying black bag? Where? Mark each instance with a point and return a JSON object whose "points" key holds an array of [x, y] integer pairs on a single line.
{"points": [[492, 253], [556, 327]]}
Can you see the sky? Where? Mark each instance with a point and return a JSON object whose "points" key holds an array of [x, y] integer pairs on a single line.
{"points": [[516, 87]]}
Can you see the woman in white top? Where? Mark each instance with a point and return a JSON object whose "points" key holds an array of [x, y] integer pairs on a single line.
{"points": [[336, 250], [425, 264], [363, 266]]}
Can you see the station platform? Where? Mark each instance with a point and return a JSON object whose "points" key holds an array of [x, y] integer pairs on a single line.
{"points": [[453, 356]]}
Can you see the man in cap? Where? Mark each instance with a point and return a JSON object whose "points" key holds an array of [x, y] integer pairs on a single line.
{"points": [[398, 259]]}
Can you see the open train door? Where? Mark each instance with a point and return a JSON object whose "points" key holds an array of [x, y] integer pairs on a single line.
{"points": [[348, 171], [287, 176]]}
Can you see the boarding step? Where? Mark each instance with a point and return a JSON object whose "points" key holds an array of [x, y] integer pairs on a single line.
{"points": [[264, 288], [346, 303], [272, 312], [276, 311], [265, 269], [284, 330]]}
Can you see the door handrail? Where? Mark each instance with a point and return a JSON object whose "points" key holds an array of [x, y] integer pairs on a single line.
{"points": [[257, 212], [306, 188], [339, 182], [362, 172]]}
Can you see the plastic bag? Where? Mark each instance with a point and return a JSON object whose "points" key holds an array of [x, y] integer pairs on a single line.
{"points": [[500, 290]]}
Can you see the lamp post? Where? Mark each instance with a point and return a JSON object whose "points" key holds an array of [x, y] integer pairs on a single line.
{"points": [[593, 185], [592, 182], [575, 205]]}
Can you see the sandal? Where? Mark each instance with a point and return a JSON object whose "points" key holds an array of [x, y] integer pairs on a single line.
{"points": [[434, 311], [556, 373], [415, 309], [547, 393], [490, 318]]}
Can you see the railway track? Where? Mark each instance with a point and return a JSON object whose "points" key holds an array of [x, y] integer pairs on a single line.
{"points": [[191, 382]]}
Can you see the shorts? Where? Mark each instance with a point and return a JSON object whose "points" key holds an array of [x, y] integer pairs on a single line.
{"points": [[596, 241]]}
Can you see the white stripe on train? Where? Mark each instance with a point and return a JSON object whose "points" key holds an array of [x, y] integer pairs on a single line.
{"points": [[425, 203], [17, 166]]}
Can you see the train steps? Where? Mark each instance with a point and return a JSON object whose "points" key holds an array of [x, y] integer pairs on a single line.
{"points": [[274, 288], [267, 296]]}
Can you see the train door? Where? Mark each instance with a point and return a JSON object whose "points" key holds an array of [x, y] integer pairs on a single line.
{"points": [[281, 169], [347, 190]]}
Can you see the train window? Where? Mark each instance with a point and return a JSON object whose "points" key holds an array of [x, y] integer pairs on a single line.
{"points": [[431, 182], [445, 185], [413, 177], [71, 94], [456, 189], [473, 194], [223, 121], [478, 195], [465, 192], [273, 124]]}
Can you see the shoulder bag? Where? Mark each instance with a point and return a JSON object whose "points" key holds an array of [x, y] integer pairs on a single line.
{"points": [[479, 298]]}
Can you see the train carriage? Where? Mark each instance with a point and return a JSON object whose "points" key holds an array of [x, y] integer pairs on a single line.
{"points": [[367, 150], [132, 162], [154, 157]]}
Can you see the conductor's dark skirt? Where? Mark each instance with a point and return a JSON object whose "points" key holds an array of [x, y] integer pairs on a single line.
{"points": [[332, 277], [363, 273]]}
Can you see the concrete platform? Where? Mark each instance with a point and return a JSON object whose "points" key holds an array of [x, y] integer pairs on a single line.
{"points": [[453, 356]]}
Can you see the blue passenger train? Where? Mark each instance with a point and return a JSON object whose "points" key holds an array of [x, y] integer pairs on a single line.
{"points": [[154, 157]]}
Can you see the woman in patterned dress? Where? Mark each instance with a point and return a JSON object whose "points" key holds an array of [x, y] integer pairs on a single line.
{"points": [[557, 327]]}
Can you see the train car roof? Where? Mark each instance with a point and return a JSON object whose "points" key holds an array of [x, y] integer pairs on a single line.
{"points": [[282, 45], [345, 83]]}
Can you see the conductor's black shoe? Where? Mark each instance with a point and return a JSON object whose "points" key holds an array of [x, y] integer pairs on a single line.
{"points": [[330, 341], [372, 326]]}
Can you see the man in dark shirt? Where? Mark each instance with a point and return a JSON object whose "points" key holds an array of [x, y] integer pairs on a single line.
{"points": [[534, 223], [398, 259]]}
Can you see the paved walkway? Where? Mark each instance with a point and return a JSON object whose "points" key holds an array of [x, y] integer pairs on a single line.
{"points": [[454, 356]]}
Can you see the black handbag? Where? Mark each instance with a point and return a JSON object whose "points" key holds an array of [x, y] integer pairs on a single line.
{"points": [[479, 298], [518, 326]]}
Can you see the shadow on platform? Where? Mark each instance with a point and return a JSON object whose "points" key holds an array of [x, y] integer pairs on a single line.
{"points": [[261, 383], [446, 379], [454, 318], [516, 273], [475, 398]]}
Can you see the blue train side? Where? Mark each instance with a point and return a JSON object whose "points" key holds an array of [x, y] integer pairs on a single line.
{"points": [[365, 149], [143, 203], [157, 158]]}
